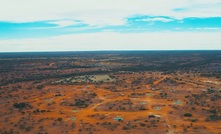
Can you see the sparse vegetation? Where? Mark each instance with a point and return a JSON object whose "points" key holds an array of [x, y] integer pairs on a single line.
{"points": [[188, 114], [110, 92]]}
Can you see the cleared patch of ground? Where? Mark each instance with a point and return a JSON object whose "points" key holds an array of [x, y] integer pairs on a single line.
{"points": [[87, 78]]}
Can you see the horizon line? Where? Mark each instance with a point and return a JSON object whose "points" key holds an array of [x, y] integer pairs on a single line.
{"points": [[124, 50]]}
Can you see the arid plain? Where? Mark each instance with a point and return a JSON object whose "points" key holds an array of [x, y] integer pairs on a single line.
{"points": [[146, 92]]}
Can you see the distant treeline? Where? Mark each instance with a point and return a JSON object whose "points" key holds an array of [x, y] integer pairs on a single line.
{"points": [[207, 63], [97, 53]]}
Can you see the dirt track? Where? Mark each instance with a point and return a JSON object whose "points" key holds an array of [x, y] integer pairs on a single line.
{"points": [[83, 114]]}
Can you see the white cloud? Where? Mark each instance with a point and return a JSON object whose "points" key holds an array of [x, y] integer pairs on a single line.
{"points": [[158, 19], [103, 12], [64, 23], [207, 28], [117, 41]]}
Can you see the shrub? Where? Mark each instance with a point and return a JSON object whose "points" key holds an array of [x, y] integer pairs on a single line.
{"points": [[142, 124], [188, 114], [59, 119], [20, 105]]}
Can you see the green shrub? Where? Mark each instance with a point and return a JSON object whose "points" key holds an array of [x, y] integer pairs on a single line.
{"points": [[187, 114], [59, 119]]}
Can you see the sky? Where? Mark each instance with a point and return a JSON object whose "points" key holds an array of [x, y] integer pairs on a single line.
{"points": [[87, 25]]}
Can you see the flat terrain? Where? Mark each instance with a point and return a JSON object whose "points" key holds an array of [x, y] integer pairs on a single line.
{"points": [[146, 92]]}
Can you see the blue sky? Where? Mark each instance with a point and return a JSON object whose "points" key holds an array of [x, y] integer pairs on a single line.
{"points": [[73, 25]]}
